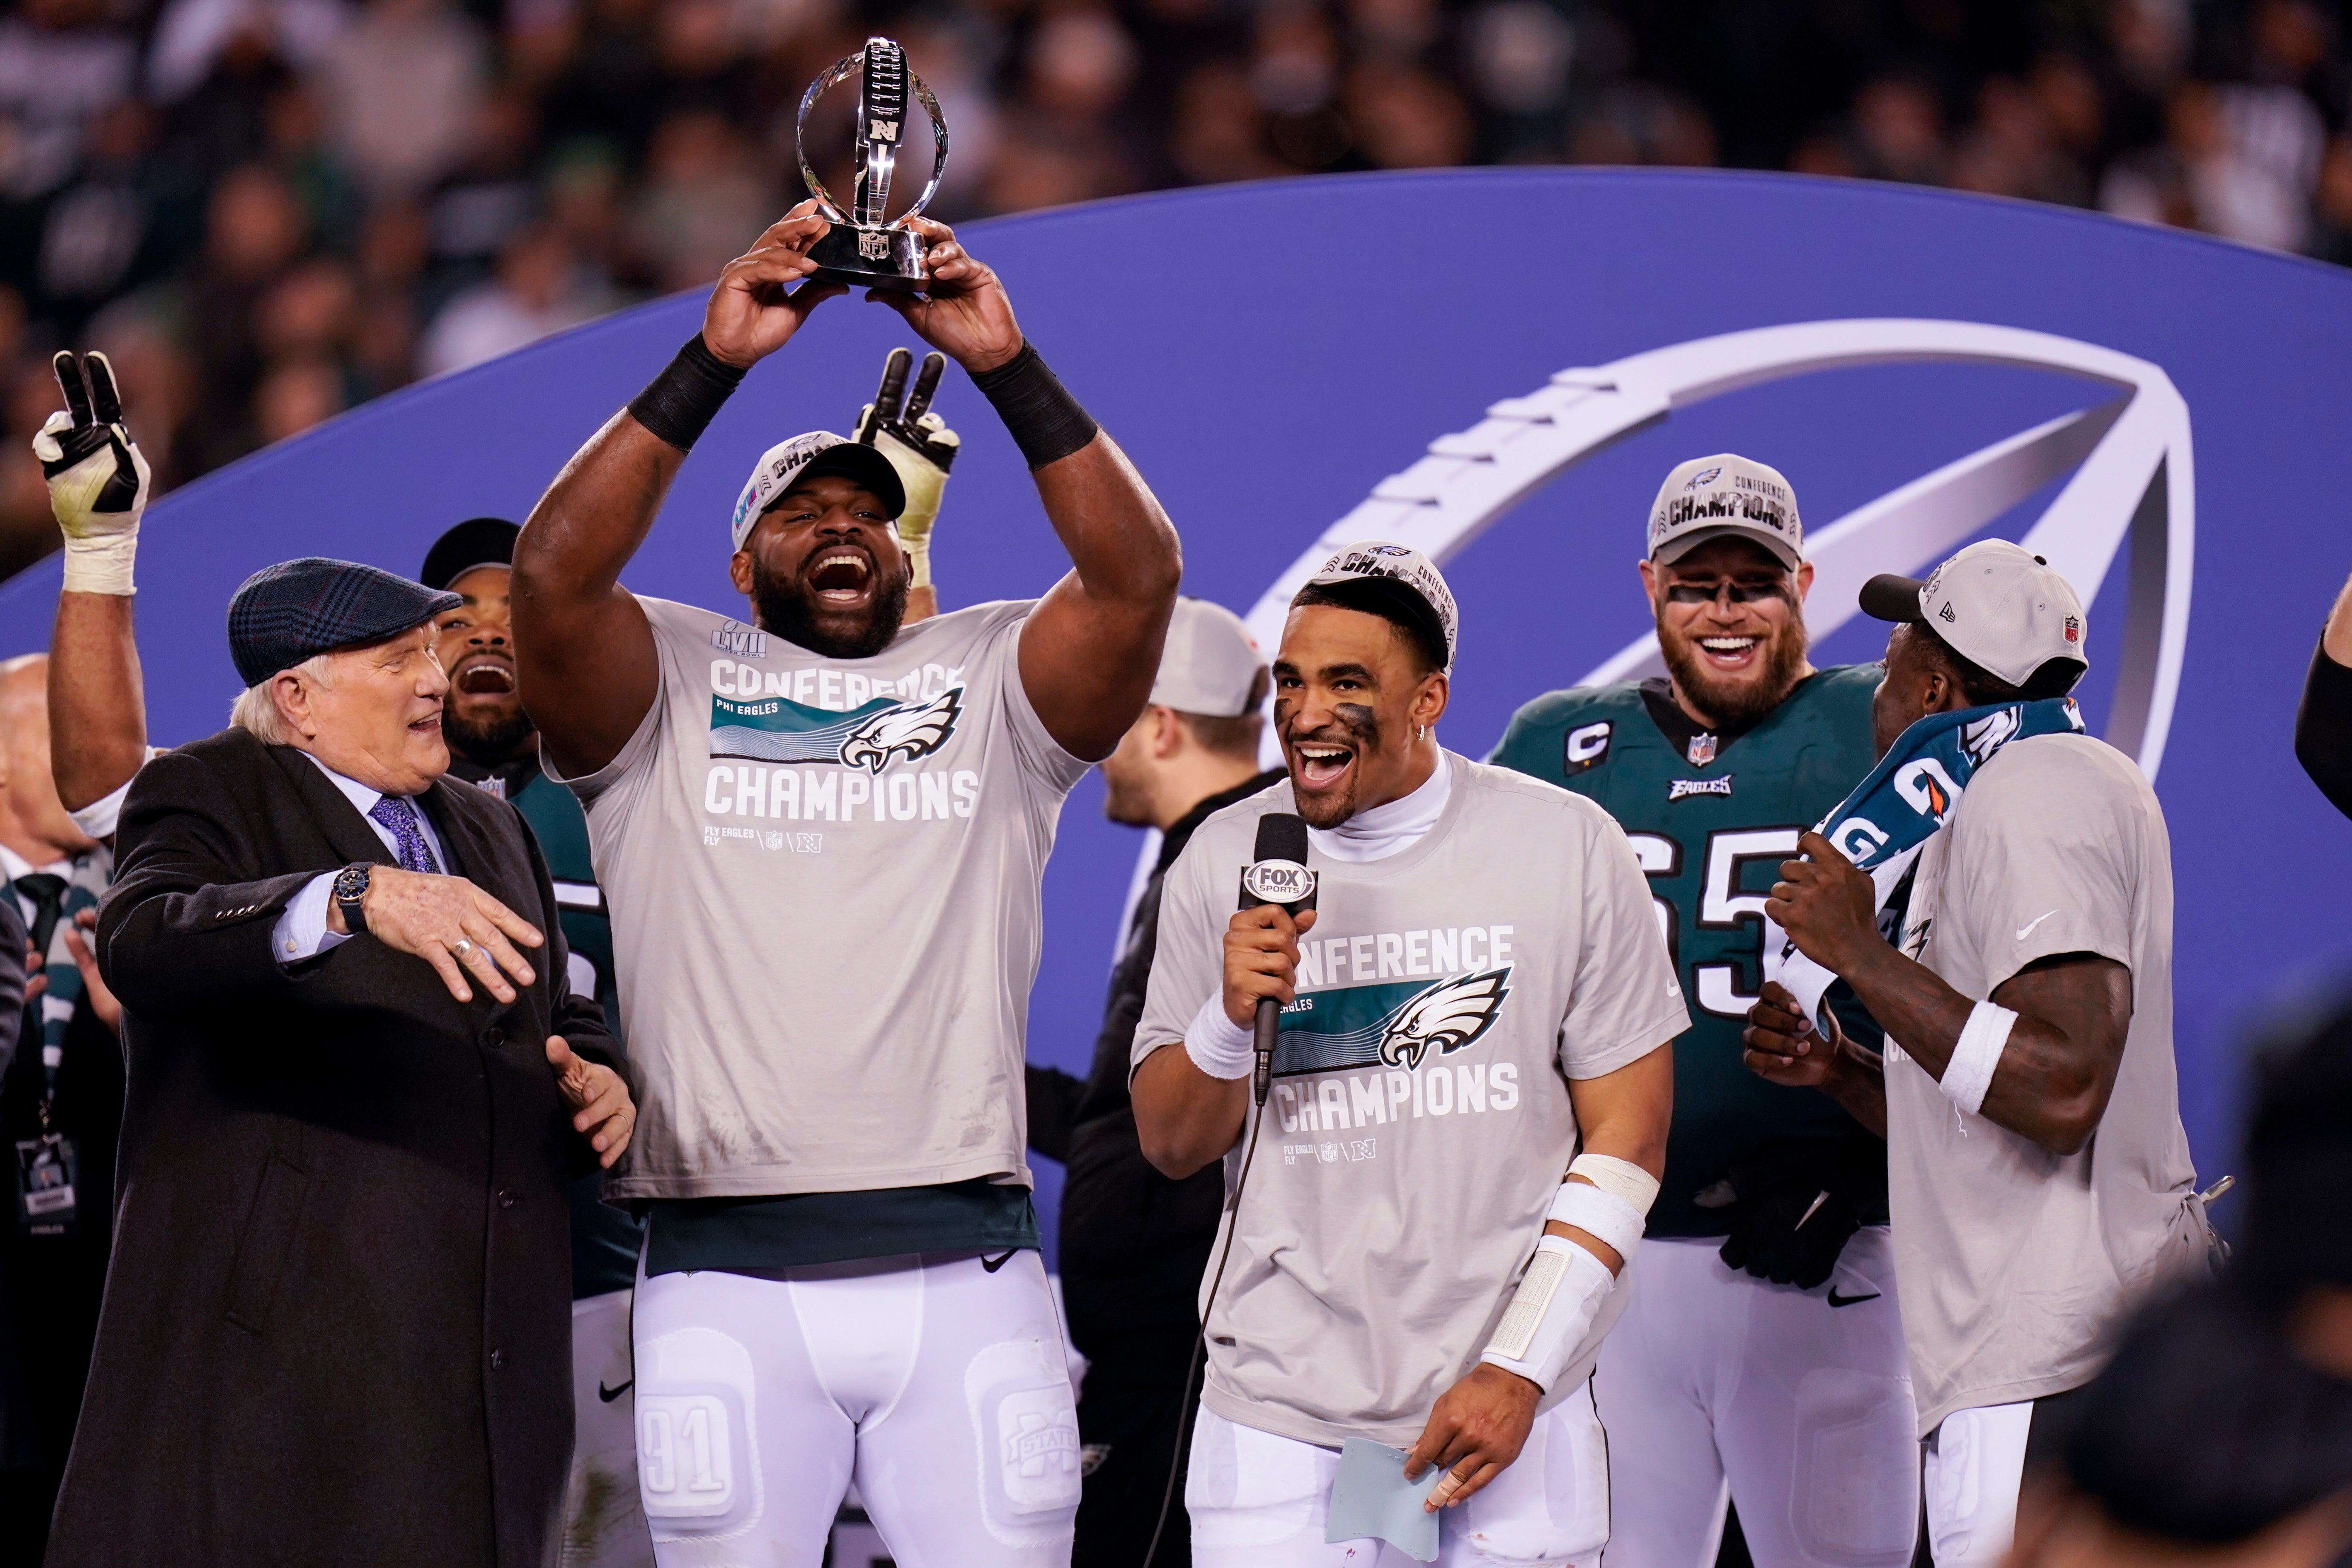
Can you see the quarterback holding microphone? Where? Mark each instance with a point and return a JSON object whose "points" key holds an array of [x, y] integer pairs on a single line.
{"points": [[821, 831], [1478, 1007]]}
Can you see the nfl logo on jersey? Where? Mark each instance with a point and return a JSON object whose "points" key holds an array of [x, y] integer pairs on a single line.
{"points": [[1701, 750]]}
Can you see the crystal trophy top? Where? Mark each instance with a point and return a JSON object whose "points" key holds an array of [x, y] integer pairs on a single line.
{"points": [[866, 249]]}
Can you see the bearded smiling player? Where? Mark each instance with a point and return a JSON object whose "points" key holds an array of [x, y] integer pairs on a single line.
{"points": [[820, 832], [494, 745], [1470, 1104], [1763, 1314]]}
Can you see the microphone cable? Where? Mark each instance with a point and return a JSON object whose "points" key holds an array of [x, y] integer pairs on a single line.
{"points": [[1200, 1340], [1279, 876]]}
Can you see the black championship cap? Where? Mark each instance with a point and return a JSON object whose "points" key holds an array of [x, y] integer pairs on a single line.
{"points": [[477, 542]]}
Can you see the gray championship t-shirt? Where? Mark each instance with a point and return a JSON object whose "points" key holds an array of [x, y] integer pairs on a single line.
{"points": [[1420, 1122], [823, 881], [2014, 1262]]}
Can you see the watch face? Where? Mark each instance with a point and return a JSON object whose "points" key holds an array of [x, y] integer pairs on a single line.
{"points": [[351, 883]]}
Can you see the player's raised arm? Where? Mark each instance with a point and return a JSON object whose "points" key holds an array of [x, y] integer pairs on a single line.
{"points": [[587, 673], [98, 490], [1088, 652]]}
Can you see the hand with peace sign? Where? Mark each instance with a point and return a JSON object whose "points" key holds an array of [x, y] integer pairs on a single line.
{"points": [[922, 449], [98, 481]]}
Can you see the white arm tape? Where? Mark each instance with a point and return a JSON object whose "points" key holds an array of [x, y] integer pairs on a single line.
{"points": [[1622, 1177], [101, 565], [1599, 1213], [1976, 1056], [1547, 1321], [1218, 1046]]}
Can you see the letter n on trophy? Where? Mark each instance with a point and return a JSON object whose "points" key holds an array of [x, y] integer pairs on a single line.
{"points": [[865, 248]]}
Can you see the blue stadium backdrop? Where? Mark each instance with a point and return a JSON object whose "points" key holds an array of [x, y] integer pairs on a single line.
{"points": [[1500, 364]]}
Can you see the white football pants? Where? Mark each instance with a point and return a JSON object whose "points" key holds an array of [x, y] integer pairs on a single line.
{"points": [[1258, 1500], [936, 1382], [604, 1527], [1975, 1463], [1716, 1386]]}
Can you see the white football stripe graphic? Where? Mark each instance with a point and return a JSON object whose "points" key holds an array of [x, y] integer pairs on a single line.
{"points": [[2133, 467]]}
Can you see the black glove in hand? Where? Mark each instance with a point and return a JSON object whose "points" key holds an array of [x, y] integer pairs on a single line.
{"points": [[1797, 1204], [1791, 1234]]}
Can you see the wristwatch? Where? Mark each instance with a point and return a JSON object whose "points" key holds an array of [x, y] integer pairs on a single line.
{"points": [[351, 887]]}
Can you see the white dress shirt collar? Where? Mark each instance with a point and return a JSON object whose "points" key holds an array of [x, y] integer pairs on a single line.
{"points": [[15, 866]]}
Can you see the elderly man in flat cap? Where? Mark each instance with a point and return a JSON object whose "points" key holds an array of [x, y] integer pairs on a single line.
{"points": [[337, 1327]]}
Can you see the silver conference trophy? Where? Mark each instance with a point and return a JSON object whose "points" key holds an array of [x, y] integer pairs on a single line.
{"points": [[866, 249]]}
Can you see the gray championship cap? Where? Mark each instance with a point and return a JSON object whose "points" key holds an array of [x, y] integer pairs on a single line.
{"points": [[1210, 665], [1405, 580], [1709, 498], [807, 455], [2001, 607]]}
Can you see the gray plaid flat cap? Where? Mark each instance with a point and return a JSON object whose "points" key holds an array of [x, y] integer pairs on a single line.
{"points": [[285, 614]]}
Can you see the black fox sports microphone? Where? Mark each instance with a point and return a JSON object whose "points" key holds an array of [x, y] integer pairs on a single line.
{"points": [[1277, 876]]}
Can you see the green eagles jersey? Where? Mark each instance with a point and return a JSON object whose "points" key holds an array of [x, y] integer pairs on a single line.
{"points": [[1711, 817], [563, 831], [603, 1239]]}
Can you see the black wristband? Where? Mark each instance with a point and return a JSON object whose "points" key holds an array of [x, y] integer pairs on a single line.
{"points": [[679, 404], [1045, 421]]}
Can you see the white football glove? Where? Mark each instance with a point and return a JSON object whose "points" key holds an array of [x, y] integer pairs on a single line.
{"points": [[98, 481], [918, 445]]}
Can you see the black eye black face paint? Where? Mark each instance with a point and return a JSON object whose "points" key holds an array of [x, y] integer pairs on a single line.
{"points": [[1361, 722]]}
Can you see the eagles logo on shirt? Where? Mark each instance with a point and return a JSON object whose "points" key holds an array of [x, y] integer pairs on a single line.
{"points": [[1389, 1026], [913, 729], [778, 730], [1447, 1017]]}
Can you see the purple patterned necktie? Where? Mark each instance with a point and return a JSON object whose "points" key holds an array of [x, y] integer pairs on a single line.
{"points": [[395, 813]]}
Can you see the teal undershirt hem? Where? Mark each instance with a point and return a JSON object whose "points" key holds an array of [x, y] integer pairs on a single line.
{"points": [[801, 1228]]}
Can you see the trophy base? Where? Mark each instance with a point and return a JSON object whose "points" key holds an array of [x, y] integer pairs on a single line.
{"points": [[870, 259]]}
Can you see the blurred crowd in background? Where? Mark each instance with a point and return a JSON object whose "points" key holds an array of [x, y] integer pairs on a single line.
{"points": [[269, 210]]}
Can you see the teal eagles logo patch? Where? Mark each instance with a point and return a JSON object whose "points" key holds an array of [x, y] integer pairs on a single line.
{"points": [[778, 730], [1388, 1026]]}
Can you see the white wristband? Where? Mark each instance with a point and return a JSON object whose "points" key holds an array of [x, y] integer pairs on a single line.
{"points": [[1600, 1214], [101, 565], [1622, 1177], [1975, 1057], [1218, 1046], [1548, 1318]]}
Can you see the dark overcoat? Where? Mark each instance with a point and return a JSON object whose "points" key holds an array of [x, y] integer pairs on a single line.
{"points": [[336, 1324]]}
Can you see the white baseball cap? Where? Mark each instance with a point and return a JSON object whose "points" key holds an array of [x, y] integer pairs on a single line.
{"points": [[2000, 606], [1413, 584], [1210, 665], [1707, 497], [815, 452]]}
